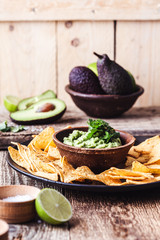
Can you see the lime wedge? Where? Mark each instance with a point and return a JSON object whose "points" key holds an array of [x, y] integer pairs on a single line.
{"points": [[11, 103], [52, 206]]}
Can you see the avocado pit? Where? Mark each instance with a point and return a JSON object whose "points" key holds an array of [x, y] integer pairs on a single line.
{"points": [[45, 107], [28, 102]]}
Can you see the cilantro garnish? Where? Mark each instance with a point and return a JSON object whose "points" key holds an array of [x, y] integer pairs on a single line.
{"points": [[101, 129], [5, 128]]}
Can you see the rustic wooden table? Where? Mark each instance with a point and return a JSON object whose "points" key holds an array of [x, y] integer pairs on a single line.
{"points": [[131, 215]]}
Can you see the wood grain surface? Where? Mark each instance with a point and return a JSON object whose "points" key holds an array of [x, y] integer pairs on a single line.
{"points": [[140, 59], [138, 121], [41, 41], [101, 216], [20, 10], [27, 58], [81, 39]]}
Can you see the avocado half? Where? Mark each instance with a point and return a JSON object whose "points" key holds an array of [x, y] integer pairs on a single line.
{"points": [[42, 112], [27, 102]]}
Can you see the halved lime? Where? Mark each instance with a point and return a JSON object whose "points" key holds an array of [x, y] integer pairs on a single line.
{"points": [[52, 206], [11, 103]]}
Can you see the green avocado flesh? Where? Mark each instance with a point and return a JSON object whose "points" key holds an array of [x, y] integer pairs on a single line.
{"points": [[99, 135], [34, 112], [80, 139], [27, 102]]}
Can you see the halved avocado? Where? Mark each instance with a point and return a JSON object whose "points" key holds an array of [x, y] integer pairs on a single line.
{"points": [[27, 102], [42, 112]]}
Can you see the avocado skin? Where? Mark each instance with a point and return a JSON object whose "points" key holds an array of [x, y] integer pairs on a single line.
{"points": [[40, 121], [32, 116], [113, 78], [84, 80], [133, 81]]}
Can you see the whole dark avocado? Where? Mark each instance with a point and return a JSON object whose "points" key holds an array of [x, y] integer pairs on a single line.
{"points": [[113, 78], [84, 80]]}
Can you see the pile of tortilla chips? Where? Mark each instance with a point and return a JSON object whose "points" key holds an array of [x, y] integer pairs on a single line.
{"points": [[42, 158]]}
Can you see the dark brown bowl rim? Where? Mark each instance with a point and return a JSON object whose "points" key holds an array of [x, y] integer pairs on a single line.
{"points": [[91, 150], [139, 92]]}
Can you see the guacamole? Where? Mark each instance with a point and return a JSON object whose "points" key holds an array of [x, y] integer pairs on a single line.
{"points": [[99, 135]]}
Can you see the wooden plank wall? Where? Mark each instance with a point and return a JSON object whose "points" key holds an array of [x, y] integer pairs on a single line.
{"points": [[41, 41]]}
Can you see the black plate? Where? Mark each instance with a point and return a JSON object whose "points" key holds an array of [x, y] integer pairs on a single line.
{"points": [[87, 187]]}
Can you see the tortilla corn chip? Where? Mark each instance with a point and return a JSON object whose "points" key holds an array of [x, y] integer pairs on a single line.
{"points": [[42, 158]]}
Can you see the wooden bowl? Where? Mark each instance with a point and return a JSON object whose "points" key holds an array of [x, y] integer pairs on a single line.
{"points": [[3, 230], [104, 106], [17, 212], [97, 160]]}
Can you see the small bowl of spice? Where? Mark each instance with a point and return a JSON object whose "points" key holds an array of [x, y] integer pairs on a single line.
{"points": [[17, 203]]}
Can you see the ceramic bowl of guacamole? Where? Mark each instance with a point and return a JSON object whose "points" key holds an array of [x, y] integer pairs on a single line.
{"points": [[84, 146]]}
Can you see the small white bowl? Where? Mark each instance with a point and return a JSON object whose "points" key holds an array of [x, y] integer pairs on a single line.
{"points": [[18, 212]]}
